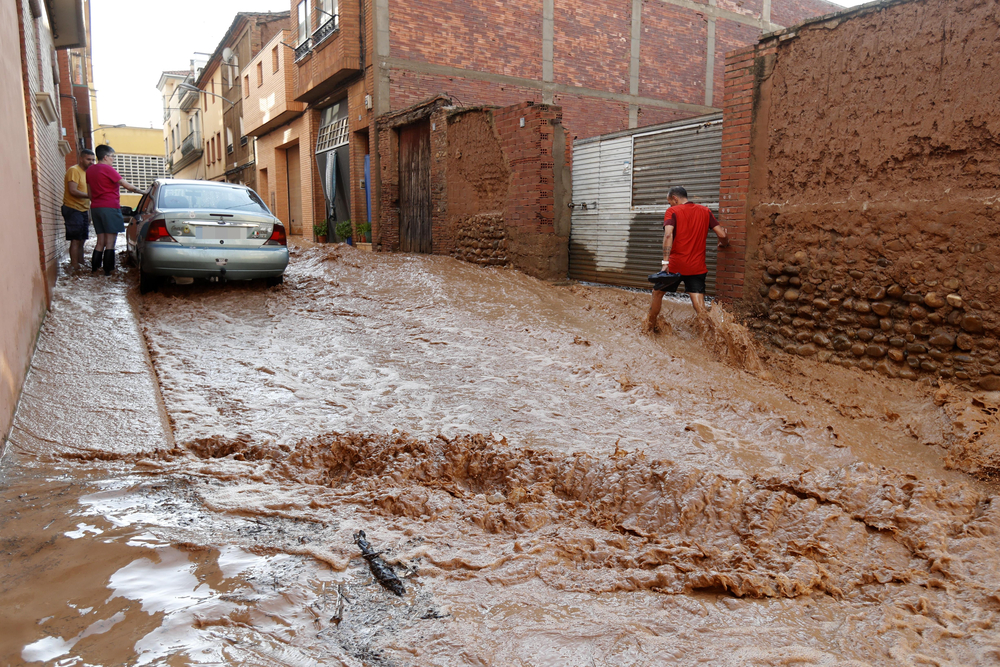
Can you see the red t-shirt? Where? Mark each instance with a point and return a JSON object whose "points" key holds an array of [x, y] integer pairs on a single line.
{"points": [[102, 184], [691, 223]]}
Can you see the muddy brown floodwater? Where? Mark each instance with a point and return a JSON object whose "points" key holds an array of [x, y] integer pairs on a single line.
{"points": [[552, 486]]}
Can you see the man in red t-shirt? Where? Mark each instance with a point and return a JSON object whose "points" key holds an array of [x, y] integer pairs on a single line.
{"points": [[105, 207], [685, 231]]}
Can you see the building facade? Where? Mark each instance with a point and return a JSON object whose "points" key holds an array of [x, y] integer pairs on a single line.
{"points": [[608, 67], [34, 124]]}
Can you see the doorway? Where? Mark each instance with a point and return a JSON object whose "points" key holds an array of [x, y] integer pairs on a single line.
{"points": [[415, 187], [294, 169]]}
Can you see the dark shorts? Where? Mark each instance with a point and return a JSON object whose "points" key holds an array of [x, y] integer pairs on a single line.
{"points": [[108, 220], [77, 224], [692, 284]]}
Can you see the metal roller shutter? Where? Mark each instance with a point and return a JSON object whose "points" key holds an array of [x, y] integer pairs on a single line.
{"points": [[627, 175]]}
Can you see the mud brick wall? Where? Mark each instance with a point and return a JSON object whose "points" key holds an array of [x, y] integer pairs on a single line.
{"points": [[479, 182], [498, 188], [871, 168]]}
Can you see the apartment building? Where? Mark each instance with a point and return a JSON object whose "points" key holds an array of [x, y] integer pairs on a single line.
{"points": [[607, 66], [204, 130], [182, 138]]}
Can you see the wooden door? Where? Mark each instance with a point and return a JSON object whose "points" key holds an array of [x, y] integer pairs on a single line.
{"points": [[294, 190], [415, 187]]}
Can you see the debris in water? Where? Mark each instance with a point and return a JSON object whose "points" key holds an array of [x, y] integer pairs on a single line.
{"points": [[341, 598], [380, 569]]}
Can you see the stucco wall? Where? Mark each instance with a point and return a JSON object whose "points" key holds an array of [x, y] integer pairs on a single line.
{"points": [[872, 205], [22, 285]]}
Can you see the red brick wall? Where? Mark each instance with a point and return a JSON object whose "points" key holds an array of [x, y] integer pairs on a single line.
{"points": [[736, 127], [592, 44], [484, 35]]}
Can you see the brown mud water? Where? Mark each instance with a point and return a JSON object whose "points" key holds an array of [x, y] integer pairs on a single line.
{"points": [[551, 486]]}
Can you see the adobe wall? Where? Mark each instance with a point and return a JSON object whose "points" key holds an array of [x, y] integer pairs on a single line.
{"points": [[872, 164], [22, 282], [499, 188]]}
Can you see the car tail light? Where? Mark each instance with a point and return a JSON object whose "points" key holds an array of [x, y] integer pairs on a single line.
{"points": [[277, 236], [158, 232]]}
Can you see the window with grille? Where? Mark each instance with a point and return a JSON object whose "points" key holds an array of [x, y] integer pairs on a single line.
{"points": [[332, 135], [139, 170]]}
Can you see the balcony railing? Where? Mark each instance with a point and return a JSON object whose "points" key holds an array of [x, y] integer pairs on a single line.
{"points": [[325, 30], [192, 142], [303, 49]]}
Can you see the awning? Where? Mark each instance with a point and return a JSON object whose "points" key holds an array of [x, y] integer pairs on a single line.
{"points": [[69, 30]]}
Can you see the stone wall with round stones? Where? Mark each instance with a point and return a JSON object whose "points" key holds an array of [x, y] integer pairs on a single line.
{"points": [[899, 318]]}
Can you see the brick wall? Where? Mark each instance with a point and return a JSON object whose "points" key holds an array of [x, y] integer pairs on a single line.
{"points": [[48, 166], [742, 66], [591, 51]]}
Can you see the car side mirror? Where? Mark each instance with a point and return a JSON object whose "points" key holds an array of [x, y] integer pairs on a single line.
{"points": [[127, 211]]}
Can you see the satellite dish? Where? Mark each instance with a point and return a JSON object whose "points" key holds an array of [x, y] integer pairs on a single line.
{"points": [[227, 54]]}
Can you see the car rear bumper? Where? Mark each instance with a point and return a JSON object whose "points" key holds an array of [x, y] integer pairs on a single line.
{"points": [[171, 259]]}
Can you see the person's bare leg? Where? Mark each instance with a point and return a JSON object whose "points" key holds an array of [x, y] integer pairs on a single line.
{"points": [[698, 301], [654, 310], [72, 255]]}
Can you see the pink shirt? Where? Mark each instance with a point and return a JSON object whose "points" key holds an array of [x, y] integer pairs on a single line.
{"points": [[102, 183]]}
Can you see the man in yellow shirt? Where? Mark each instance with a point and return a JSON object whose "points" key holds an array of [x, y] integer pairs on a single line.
{"points": [[76, 203]]}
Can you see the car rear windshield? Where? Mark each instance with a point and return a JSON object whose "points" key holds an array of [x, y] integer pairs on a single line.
{"points": [[211, 196]]}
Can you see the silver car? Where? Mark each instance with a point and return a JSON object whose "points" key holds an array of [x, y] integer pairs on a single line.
{"points": [[204, 229]]}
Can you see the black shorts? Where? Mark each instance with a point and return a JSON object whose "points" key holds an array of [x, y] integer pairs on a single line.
{"points": [[692, 284], [77, 224], [108, 220]]}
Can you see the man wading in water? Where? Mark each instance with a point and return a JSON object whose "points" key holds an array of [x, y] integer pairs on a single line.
{"points": [[685, 231]]}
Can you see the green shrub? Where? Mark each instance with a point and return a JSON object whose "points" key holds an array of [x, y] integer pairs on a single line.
{"points": [[344, 230], [320, 228]]}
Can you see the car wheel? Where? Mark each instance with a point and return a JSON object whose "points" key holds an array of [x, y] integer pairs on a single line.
{"points": [[148, 282], [274, 282]]}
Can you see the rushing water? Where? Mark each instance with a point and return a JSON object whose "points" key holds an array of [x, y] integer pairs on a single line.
{"points": [[553, 486]]}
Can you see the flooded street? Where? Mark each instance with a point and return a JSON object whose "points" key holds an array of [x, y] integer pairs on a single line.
{"points": [[188, 471]]}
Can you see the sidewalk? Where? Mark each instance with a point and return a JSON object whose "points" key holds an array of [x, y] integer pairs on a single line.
{"points": [[91, 387]]}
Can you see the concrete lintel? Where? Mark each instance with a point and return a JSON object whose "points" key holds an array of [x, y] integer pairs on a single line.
{"points": [[717, 13], [564, 89], [710, 63], [634, 61]]}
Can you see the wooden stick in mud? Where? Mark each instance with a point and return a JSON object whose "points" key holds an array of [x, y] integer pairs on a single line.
{"points": [[379, 568]]}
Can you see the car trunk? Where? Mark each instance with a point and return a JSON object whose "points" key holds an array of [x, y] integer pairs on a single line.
{"points": [[211, 228]]}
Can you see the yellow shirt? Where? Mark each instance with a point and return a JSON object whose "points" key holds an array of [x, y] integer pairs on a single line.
{"points": [[76, 175]]}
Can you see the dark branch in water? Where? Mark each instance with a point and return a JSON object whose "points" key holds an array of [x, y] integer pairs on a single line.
{"points": [[379, 568]]}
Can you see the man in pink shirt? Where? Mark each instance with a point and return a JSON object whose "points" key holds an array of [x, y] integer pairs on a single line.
{"points": [[103, 182]]}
